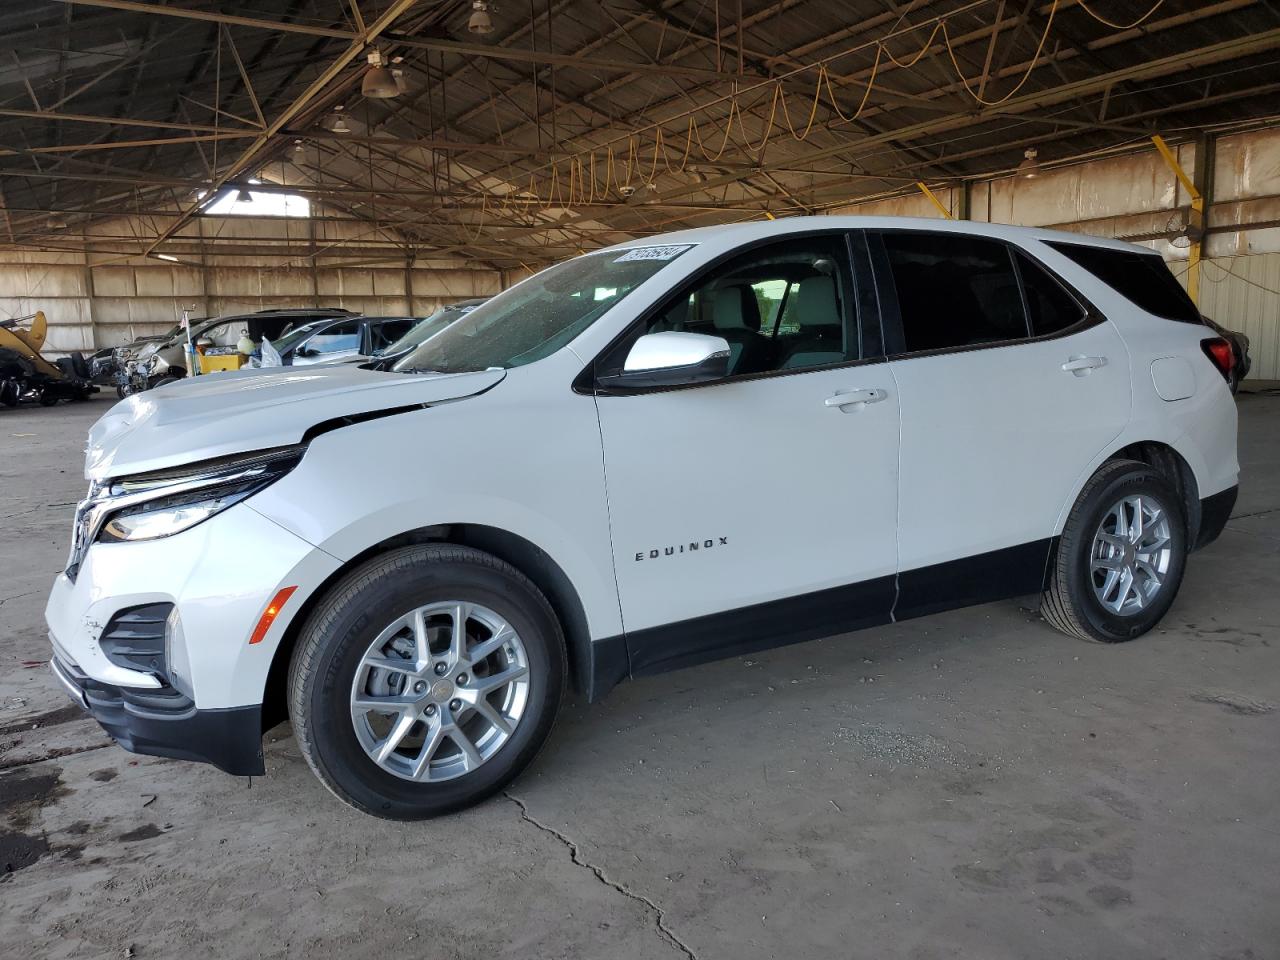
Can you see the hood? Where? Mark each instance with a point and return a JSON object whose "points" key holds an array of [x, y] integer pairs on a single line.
{"points": [[222, 414]]}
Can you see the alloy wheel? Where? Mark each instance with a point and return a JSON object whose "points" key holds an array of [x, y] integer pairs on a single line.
{"points": [[440, 691], [1131, 554]]}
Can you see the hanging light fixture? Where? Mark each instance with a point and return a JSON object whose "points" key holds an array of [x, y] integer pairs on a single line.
{"points": [[378, 83], [1029, 168], [339, 121], [299, 148], [480, 23], [56, 221], [244, 196]]}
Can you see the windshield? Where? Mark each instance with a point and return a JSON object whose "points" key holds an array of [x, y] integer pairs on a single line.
{"points": [[421, 332], [536, 318], [291, 338]]}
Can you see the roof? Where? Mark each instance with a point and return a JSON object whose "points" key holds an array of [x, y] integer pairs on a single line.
{"points": [[783, 226]]}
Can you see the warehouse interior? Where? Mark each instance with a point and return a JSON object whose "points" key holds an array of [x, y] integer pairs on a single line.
{"points": [[958, 786], [132, 128]]}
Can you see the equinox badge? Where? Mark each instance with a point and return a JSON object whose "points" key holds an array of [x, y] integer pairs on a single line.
{"points": [[692, 547]]}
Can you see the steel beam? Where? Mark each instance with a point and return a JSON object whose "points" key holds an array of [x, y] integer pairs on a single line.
{"points": [[118, 121], [355, 49], [208, 16]]}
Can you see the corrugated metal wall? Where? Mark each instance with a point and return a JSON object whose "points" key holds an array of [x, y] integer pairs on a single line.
{"points": [[98, 300], [1243, 293], [1137, 197]]}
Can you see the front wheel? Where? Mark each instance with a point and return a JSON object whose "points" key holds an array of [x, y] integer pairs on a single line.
{"points": [[1120, 558], [426, 680]]}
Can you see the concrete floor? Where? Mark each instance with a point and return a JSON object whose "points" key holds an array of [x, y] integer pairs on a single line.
{"points": [[971, 785]]}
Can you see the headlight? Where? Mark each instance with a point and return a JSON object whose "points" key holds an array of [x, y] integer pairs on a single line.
{"points": [[167, 502], [159, 504], [169, 515]]}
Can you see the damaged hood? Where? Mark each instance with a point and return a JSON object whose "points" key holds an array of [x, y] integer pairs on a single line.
{"points": [[220, 414]]}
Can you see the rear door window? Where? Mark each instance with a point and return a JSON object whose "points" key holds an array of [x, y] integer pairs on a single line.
{"points": [[1141, 278], [954, 290], [382, 335]]}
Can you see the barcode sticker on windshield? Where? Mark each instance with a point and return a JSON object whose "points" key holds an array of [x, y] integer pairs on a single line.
{"points": [[653, 253]]}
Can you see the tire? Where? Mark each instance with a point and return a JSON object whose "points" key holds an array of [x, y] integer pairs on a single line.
{"points": [[348, 625], [10, 393], [47, 398], [161, 381], [122, 391], [1072, 602]]}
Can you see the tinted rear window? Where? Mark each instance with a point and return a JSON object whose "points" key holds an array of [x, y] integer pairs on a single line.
{"points": [[1140, 277]]}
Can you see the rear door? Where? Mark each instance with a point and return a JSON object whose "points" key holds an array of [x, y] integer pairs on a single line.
{"points": [[1010, 386]]}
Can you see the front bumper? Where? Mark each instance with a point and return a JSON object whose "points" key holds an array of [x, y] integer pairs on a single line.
{"points": [[218, 576], [164, 723]]}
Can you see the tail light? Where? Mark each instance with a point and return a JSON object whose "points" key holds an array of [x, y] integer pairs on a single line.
{"points": [[1219, 351]]}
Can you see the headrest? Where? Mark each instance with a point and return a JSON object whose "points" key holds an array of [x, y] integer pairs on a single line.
{"points": [[735, 308], [816, 304]]}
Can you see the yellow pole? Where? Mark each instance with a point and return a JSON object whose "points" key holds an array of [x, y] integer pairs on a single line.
{"points": [[1195, 223], [934, 200]]}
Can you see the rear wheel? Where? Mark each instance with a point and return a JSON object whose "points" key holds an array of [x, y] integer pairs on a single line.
{"points": [[1121, 556], [426, 680]]}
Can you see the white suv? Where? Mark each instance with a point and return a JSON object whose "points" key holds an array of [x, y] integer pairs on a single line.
{"points": [[661, 453]]}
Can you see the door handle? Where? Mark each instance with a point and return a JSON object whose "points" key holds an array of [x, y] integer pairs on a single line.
{"points": [[856, 397], [1080, 366]]}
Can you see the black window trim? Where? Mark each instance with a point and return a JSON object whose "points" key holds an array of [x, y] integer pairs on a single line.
{"points": [[586, 382], [891, 316]]}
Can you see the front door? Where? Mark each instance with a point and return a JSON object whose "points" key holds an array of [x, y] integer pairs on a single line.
{"points": [[1009, 390], [759, 509]]}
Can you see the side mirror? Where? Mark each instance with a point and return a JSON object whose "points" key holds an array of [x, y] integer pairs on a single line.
{"points": [[672, 359]]}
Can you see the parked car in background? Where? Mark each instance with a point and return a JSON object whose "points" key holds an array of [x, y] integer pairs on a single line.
{"points": [[332, 340], [147, 363], [386, 357], [102, 363], [681, 448], [1239, 347]]}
